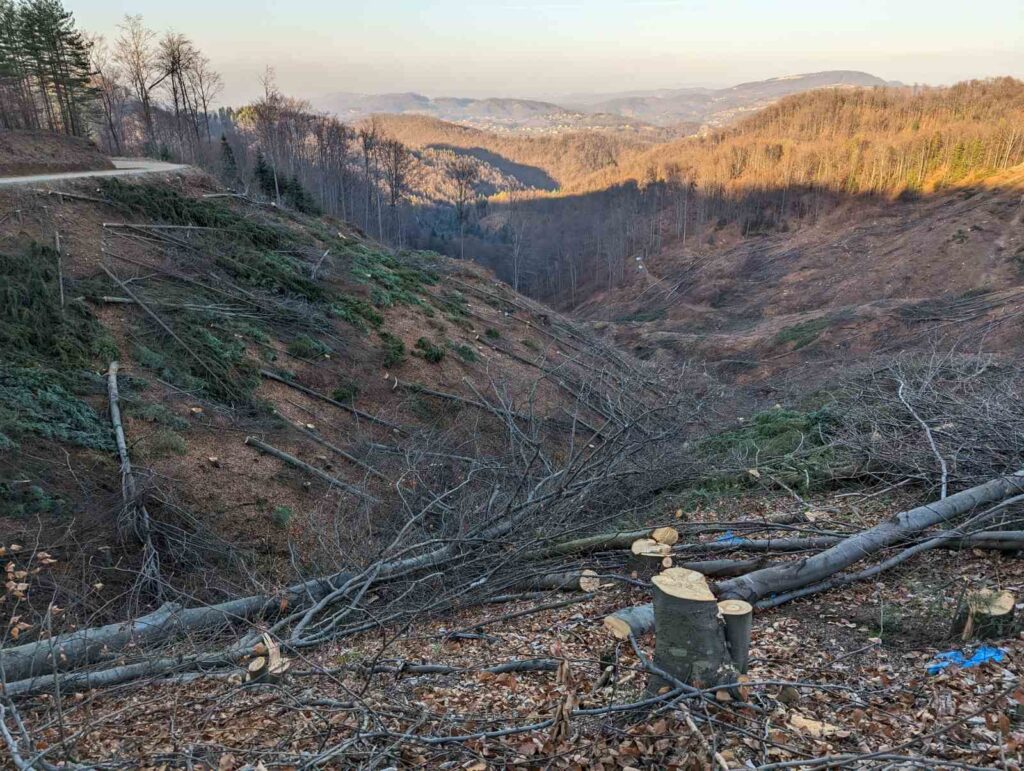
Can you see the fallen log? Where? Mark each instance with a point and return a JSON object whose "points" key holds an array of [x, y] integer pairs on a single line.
{"points": [[327, 399], [634, 621], [135, 516], [735, 543], [724, 568], [313, 470], [578, 580], [788, 576], [640, 619], [23, 668]]}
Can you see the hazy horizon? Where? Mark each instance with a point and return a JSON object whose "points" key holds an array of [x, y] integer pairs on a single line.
{"points": [[544, 50]]}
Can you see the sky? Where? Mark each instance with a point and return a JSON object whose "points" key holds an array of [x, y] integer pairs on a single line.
{"points": [[547, 48]]}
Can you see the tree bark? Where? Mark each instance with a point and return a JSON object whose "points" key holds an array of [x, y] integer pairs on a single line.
{"points": [[689, 642], [739, 620], [782, 578]]}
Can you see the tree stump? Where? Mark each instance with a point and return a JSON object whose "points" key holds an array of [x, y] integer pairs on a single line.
{"points": [[690, 641], [739, 618], [646, 556], [986, 615], [268, 666]]}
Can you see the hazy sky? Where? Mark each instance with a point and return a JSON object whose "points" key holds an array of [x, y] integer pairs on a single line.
{"points": [[544, 48]]}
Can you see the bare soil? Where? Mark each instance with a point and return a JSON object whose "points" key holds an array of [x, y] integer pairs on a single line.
{"points": [[29, 152]]}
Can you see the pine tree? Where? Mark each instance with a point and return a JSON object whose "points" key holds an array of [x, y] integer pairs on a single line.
{"points": [[264, 175], [18, 108], [57, 57], [228, 164]]}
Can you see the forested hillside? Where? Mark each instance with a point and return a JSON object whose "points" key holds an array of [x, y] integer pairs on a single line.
{"points": [[884, 140], [775, 171], [566, 159]]}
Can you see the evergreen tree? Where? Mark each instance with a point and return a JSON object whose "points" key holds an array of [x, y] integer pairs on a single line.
{"points": [[56, 59], [264, 175], [228, 164], [295, 196]]}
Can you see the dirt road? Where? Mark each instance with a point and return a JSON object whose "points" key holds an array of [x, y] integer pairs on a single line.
{"points": [[125, 167]]}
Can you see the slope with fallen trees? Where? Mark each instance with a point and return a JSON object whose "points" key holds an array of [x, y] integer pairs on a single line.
{"points": [[523, 500]]}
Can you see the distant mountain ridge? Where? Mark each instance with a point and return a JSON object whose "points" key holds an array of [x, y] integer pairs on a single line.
{"points": [[662, 107], [718, 106]]}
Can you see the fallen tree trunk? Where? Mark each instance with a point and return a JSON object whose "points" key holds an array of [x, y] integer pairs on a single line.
{"points": [[785, 577], [313, 470], [340, 405], [28, 662], [724, 568], [135, 516], [814, 574], [623, 539], [577, 580], [735, 543]]}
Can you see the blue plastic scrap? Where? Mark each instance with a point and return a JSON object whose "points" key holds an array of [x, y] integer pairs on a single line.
{"points": [[729, 537], [983, 654]]}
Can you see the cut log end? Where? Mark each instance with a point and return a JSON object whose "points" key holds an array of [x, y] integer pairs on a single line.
{"points": [[735, 608], [988, 614], [684, 584], [589, 582], [618, 628], [665, 535], [648, 547]]}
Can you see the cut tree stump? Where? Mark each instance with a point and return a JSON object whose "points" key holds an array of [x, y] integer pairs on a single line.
{"points": [[690, 640], [647, 556], [739, 619], [269, 666], [987, 614]]}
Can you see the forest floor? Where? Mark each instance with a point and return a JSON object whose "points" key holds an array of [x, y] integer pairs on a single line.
{"points": [[845, 678]]}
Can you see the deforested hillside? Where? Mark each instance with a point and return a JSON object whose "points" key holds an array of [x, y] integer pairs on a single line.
{"points": [[256, 464], [274, 379], [863, 281]]}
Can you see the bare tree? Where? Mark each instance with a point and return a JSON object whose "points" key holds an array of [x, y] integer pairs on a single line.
{"points": [[107, 80], [206, 85], [369, 136], [136, 54], [395, 162], [463, 174]]}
